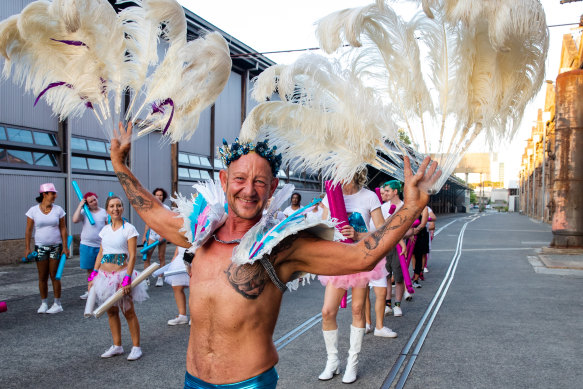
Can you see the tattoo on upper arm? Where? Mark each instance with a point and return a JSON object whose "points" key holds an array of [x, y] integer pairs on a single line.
{"points": [[135, 192]]}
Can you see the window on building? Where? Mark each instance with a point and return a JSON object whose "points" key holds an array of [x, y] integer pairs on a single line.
{"points": [[192, 167], [90, 156], [23, 148]]}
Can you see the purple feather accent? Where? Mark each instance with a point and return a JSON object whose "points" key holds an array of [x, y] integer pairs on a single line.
{"points": [[70, 43], [88, 104], [158, 109], [51, 85]]}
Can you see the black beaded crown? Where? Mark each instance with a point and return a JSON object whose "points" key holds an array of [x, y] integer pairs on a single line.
{"points": [[233, 152]]}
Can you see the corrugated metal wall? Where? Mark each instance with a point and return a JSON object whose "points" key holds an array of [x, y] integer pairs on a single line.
{"points": [[228, 111], [18, 191], [200, 141]]}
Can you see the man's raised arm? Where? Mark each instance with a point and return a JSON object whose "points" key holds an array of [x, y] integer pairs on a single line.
{"points": [[163, 221], [332, 258]]}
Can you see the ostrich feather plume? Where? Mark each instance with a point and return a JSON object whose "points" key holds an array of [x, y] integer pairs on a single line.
{"points": [[80, 55], [326, 120], [483, 62]]}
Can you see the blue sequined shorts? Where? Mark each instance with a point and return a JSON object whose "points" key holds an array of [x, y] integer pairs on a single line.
{"points": [[267, 380]]}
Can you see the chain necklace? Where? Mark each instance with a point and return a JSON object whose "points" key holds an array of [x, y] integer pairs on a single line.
{"points": [[226, 242]]}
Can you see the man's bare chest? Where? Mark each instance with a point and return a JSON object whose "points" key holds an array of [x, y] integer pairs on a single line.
{"points": [[212, 268]]}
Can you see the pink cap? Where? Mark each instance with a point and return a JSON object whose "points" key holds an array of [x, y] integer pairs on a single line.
{"points": [[48, 187]]}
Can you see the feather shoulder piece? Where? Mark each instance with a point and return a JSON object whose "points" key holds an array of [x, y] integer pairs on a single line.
{"points": [[269, 232], [202, 214]]}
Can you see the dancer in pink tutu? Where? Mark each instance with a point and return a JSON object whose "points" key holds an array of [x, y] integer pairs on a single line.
{"points": [[364, 209], [114, 269]]}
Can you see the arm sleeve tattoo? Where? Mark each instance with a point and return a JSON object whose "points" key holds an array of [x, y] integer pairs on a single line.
{"points": [[137, 195]]}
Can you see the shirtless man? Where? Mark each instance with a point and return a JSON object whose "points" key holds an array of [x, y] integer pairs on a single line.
{"points": [[234, 309]]}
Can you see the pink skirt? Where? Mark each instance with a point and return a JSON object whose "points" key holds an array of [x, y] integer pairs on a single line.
{"points": [[356, 280]]}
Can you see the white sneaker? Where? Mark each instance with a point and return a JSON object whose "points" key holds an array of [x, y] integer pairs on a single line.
{"points": [[56, 308], [397, 311], [84, 296], [43, 308], [112, 352], [135, 354], [180, 319], [385, 332], [416, 284], [425, 270], [189, 321], [407, 296], [368, 329], [160, 281], [388, 310]]}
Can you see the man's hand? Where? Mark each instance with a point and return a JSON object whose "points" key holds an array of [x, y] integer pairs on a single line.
{"points": [[120, 144], [417, 186]]}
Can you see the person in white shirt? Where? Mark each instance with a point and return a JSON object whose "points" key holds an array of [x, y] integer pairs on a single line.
{"points": [[390, 191], [296, 203], [90, 240], [362, 206], [153, 236], [50, 231], [114, 269]]}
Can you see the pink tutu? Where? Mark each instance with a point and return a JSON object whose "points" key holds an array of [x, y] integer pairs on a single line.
{"points": [[356, 280], [107, 283]]}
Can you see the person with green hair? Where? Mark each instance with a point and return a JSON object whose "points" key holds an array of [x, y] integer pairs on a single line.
{"points": [[390, 193]]}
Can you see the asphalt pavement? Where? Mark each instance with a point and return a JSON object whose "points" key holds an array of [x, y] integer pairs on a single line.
{"points": [[501, 324]]}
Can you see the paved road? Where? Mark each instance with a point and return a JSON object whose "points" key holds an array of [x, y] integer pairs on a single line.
{"points": [[500, 325]]}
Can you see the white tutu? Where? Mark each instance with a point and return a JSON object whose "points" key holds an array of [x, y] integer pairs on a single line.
{"points": [[178, 264], [107, 283]]}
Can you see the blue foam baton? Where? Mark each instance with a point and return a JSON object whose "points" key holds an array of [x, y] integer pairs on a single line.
{"points": [[147, 248], [63, 259], [85, 207], [110, 194], [30, 257], [145, 255]]}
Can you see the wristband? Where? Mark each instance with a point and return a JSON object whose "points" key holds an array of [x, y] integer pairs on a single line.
{"points": [[127, 280], [93, 274]]}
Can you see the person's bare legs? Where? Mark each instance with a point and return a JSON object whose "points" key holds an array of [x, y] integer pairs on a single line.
{"points": [[358, 303], [162, 253], [399, 291], [53, 267], [114, 325], [43, 278], [133, 324], [332, 298], [367, 307], [180, 299], [379, 306]]}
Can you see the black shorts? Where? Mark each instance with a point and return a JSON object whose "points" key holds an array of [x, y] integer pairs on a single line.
{"points": [[393, 266], [421, 244], [48, 252]]}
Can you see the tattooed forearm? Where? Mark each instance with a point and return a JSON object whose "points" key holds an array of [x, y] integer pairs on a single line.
{"points": [[248, 280], [135, 192], [374, 239]]}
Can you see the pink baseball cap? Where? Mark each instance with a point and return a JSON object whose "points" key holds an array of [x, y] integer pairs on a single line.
{"points": [[48, 187]]}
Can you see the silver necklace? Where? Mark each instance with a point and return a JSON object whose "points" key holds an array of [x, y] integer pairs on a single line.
{"points": [[226, 242]]}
